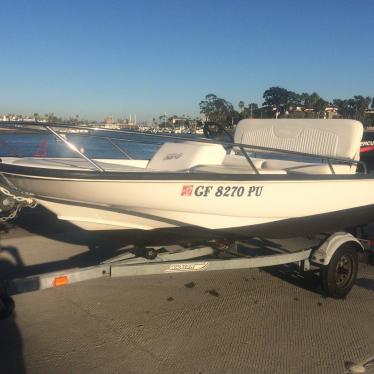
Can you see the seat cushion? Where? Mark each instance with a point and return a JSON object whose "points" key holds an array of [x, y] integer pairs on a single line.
{"points": [[308, 167]]}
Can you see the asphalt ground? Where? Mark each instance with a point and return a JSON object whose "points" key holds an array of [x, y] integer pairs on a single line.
{"points": [[244, 321]]}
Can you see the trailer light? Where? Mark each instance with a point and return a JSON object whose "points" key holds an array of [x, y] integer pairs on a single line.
{"points": [[61, 281]]}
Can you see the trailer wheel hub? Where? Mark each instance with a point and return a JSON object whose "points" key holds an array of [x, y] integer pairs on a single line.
{"points": [[344, 270]]}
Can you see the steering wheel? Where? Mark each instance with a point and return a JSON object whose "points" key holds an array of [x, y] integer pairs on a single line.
{"points": [[213, 130]]}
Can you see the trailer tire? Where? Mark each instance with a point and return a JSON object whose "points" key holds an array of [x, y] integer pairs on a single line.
{"points": [[150, 253], [339, 276]]}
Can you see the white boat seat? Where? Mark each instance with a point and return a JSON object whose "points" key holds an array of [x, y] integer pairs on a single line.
{"points": [[238, 160], [322, 169], [185, 155], [224, 169], [308, 167], [327, 138]]}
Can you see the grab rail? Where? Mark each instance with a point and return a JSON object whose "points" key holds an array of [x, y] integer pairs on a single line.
{"points": [[74, 148], [242, 147]]}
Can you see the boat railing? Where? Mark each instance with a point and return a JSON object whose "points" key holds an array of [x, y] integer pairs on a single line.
{"points": [[93, 131]]}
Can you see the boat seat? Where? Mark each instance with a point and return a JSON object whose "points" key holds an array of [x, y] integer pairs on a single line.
{"points": [[224, 169], [338, 138], [185, 155], [294, 167], [238, 160], [322, 169]]}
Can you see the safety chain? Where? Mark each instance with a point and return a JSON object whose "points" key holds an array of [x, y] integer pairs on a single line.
{"points": [[22, 202]]}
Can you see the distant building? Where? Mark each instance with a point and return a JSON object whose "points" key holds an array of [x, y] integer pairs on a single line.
{"points": [[331, 112], [108, 120], [296, 109]]}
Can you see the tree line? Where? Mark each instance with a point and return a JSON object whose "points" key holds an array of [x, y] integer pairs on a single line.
{"points": [[282, 103]]}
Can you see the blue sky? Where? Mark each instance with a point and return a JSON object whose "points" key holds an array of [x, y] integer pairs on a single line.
{"points": [[95, 58]]}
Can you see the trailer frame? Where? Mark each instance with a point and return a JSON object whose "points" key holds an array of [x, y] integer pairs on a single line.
{"points": [[213, 257]]}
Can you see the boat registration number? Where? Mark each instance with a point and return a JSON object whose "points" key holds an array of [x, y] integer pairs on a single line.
{"points": [[221, 191]]}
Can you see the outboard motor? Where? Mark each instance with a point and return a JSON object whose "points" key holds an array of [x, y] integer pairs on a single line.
{"points": [[367, 150]]}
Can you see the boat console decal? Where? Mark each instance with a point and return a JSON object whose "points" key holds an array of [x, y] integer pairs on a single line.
{"points": [[172, 156], [221, 191]]}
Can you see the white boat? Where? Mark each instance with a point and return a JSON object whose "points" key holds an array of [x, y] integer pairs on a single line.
{"points": [[280, 178]]}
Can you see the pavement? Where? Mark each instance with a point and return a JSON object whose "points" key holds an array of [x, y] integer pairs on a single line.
{"points": [[244, 321]]}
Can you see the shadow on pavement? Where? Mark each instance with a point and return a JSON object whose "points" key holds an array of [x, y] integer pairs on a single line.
{"points": [[101, 245], [42, 222], [366, 283], [11, 347], [291, 274], [10, 263]]}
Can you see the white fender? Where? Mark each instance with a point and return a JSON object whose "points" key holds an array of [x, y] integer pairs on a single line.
{"points": [[324, 253]]}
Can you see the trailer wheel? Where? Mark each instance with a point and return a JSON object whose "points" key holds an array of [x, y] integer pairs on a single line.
{"points": [[150, 253], [339, 276], [6, 306]]}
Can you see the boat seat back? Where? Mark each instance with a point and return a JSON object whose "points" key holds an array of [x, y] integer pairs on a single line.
{"points": [[328, 138], [185, 155]]}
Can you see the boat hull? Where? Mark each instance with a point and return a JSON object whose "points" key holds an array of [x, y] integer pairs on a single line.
{"points": [[255, 205]]}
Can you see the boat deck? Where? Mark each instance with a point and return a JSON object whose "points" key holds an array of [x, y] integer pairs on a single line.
{"points": [[243, 321]]}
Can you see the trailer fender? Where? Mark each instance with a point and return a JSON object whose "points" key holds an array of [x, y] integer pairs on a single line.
{"points": [[323, 254]]}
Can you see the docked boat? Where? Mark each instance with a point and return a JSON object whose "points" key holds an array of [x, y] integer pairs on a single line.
{"points": [[278, 178]]}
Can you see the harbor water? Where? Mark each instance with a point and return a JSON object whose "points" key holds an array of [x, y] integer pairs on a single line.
{"points": [[137, 146]]}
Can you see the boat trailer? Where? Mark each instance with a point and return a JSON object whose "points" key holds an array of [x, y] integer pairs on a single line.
{"points": [[335, 258]]}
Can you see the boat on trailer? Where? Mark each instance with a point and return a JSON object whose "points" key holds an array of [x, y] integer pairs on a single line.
{"points": [[277, 179], [280, 178]]}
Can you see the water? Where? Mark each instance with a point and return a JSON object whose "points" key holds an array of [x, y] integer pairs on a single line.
{"points": [[138, 146]]}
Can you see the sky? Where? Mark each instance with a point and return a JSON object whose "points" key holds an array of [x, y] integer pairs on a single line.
{"points": [[146, 57]]}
